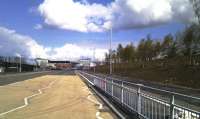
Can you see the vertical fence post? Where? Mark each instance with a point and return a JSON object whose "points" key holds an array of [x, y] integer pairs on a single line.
{"points": [[139, 99], [100, 83], [105, 84], [172, 107], [112, 87], [122, 94]]}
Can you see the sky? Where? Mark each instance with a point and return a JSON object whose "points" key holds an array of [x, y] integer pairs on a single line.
{"points": [[71, 29]]}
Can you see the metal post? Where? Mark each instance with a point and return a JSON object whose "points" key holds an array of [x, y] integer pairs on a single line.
{"points": [[105, 84], [139, 99], [111, 51], [94, 59], [152, 114], [112, 87], [20, 64], [172, 107], [122, 98]]}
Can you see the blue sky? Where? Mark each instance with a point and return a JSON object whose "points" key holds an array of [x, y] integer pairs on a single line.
{"points": [[23, 15]]}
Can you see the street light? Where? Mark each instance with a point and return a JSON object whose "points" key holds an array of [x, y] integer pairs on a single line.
{"points": [[94, 59], [20, 63], [111, 51]]}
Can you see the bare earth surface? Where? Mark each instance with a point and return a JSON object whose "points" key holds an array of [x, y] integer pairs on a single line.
{"points": [[67, 98]]}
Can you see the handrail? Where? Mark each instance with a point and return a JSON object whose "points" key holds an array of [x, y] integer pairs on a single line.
{"points": [[142, 102], [149, 87]]}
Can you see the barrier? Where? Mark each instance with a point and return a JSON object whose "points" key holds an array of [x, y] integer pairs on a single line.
{"points": [[138, 99]]}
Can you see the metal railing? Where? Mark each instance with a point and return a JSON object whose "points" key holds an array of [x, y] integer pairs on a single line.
{"points": [[147, 105]]}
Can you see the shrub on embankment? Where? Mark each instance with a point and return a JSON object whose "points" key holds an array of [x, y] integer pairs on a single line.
{"points": [[169, 71]]}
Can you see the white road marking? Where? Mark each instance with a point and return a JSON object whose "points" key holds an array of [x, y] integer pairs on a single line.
{"points": [[96, 102], [100, 106], [26, 103]]}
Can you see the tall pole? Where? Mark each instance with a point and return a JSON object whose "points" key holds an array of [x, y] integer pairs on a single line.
{"points": [[20, 64], [94, 59], [111, 50]]}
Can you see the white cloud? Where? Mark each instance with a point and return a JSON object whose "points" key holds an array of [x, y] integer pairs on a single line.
{"points": [[38, 26], [74, 52], [122, 14], [13, 44], [145, 13], [141, 13], [77, 16]]}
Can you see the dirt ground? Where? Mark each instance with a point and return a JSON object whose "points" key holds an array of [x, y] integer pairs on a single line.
{"points": [[67, 98]]}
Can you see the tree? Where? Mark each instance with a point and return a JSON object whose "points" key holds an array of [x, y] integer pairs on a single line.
{"points": [[156, 48], [140, 50], [120, 52], [107, 57], [129, 53], [168, 40], [172, 51], [114, 56], [166, 44], [196, 40], [188, 40], [148, 48], [191, 42]]}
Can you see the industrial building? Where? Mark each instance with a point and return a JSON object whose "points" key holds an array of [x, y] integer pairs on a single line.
{"points": [[17, 64]]}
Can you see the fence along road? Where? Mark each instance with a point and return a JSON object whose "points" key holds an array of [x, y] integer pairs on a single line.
{"points": [[139, 99]]}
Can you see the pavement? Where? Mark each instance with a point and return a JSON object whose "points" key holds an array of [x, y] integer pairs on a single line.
{"points": [[67, 98]]}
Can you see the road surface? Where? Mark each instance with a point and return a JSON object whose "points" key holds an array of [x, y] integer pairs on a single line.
{"points": [[63, 96]]}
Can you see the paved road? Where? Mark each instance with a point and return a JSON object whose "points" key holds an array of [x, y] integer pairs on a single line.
{"points": [[68, 98], [13, 78]]}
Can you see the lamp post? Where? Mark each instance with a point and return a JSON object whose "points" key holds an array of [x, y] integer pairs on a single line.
{"points": [[94, 59], [110, 51], [20, 63]]}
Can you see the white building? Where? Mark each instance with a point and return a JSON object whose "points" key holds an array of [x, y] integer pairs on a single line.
{"points": [[42, 63]]}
